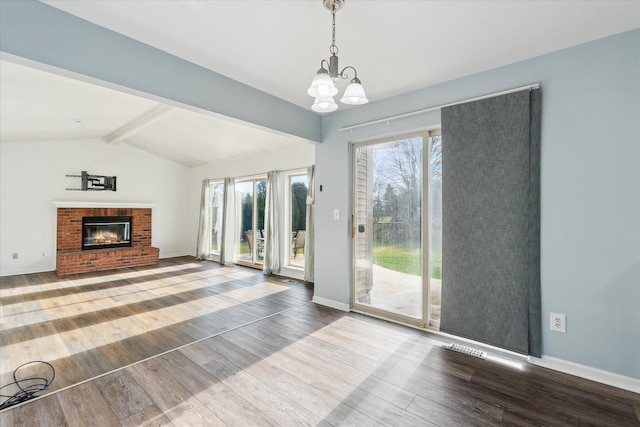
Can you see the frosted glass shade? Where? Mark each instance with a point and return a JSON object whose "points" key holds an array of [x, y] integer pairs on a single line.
{"points": [[324, 105], [354, 95], [322, 85]]}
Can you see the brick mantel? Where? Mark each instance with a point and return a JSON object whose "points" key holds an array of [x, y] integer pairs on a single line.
{"points": [[70, 258]]}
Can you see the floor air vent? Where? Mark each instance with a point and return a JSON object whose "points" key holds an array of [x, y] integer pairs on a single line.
{"points": [[466, 350]]}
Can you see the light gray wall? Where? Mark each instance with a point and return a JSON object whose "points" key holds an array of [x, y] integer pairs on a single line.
{"points": [[590, 191], [32, 176]]}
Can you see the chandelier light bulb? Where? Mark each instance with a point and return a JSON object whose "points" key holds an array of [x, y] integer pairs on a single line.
{"points": [[322, 85], [324, 105], [354, 94]]}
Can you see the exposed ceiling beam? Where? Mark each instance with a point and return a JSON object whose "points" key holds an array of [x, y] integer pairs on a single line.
{"points": [[136, 125], [41, 33]]}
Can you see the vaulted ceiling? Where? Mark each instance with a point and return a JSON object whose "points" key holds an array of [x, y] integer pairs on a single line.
{"points": [[276, 47]]}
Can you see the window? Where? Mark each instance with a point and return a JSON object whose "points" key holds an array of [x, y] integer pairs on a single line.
{"points": [[217, 191], [297, 188], [250, 202]]}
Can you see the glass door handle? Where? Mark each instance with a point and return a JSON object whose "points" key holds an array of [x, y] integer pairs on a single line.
{"points": [[353, 227]]}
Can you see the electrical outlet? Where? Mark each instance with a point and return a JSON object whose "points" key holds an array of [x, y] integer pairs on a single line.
{"points": [[558, 322]]}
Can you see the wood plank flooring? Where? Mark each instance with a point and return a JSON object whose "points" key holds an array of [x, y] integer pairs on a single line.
{"points": [[286, 362], [90, 324]]}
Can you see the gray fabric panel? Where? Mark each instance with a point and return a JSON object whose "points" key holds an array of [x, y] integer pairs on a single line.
{"points": [[535, 304], [488, 239]]}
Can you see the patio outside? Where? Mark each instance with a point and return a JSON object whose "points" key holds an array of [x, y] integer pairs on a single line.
{"points": [[398, 220]]}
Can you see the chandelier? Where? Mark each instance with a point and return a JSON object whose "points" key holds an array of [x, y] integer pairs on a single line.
{"points": [[323, 87]]}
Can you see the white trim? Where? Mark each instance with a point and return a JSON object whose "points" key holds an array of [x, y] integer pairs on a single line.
{"points": [[331, 303], [8, 273], [294, 273], [176, 255], [68, 204], [588, 372]]}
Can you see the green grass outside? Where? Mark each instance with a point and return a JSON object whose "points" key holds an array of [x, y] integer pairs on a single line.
{"points": [[405, 260]]}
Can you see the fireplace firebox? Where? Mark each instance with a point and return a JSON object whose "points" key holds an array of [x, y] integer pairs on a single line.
{"points": [[102, 232]]}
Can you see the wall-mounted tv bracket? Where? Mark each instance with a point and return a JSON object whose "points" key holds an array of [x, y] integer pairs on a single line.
{"points": [[94, 182]]}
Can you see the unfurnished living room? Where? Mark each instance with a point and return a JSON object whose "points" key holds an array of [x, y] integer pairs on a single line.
{"points": [[319, 212]]}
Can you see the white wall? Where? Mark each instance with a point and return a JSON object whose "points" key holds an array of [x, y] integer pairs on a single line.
{"points": [[32, 176], [300, 157], [590, 166]]}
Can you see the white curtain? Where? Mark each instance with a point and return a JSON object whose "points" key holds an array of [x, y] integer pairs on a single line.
{"points": [[309, 243], [217, 209], [228, 222], [271, 230], [203, 248]]}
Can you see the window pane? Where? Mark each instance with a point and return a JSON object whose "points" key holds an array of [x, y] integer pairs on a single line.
{"points": [[388, 234], [251, 197], [244, 198], [258, 236], [298, 188], [216, 213], [435, 220]]}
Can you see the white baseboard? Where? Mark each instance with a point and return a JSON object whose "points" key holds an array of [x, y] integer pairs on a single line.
{"points": [[588, 372], [331, 303], [27, 271], [176, 255]]}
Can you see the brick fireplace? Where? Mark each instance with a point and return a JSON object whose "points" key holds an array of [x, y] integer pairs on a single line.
{"points": [[70, 258]]}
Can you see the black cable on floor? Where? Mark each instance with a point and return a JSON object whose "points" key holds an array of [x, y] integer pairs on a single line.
{"points": [[26, 387]]}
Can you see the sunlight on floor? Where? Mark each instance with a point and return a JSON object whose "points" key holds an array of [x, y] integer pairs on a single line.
{"points": [[76, 299], [73, 280]]}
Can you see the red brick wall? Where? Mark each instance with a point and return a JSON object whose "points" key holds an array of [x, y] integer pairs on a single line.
{"points": [[72, 259]]}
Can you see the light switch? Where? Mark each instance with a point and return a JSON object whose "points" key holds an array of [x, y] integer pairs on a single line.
{"points": [[336, 214]]}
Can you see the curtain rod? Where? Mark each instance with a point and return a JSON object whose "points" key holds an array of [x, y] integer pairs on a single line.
{"points": [[257, 175], [438, 107]]}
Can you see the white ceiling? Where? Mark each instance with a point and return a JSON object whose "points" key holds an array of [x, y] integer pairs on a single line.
{"points": [[276, 46], [38, 105]]}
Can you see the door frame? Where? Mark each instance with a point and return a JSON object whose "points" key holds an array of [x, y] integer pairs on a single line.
{"points": [[424, 321], [254, 222]]}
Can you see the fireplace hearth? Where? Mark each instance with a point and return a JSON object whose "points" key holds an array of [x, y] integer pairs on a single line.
{"points": [[102, 232]]}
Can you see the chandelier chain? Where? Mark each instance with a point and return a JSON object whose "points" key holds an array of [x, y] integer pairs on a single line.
{"points": [[333, 48]]}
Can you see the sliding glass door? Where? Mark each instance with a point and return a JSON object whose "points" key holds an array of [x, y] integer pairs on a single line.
{"points": [[297, 185], [250, 200], [395, 228]]}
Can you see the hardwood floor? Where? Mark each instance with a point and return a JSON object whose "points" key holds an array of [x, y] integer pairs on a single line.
{"points": [[271, 358], [90, 324]]}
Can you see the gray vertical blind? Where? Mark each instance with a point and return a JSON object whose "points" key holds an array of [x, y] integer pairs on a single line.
{"points": [[491, 221]]}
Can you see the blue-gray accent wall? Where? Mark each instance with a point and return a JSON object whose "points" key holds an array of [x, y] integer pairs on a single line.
{"points": [[590, 191]]}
